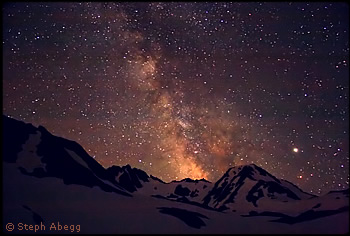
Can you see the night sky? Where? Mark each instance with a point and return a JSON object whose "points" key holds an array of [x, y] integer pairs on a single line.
{"points": [[187, 89]]}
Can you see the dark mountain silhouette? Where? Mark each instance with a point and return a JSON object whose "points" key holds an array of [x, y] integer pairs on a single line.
{"points": [[33, 154], [15, 133], [127, 177], [53, 154], [190, 180]]}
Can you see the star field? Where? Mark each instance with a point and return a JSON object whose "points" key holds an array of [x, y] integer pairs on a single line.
{"points": [[187, 89]]}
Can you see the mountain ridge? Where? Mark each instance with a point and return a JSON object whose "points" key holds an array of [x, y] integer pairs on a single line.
{"points": [[247, 189], [110, 173], [92, 162]]}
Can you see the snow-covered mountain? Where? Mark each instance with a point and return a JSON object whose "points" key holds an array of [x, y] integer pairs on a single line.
{"points": [[49, 179], [247, 185]]}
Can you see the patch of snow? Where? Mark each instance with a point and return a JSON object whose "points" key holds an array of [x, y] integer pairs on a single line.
{"points": [[27, 157]]}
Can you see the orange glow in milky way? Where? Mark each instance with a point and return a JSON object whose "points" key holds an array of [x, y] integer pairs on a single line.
{"points": [[187, 164], [184, 165], [189, 169]]}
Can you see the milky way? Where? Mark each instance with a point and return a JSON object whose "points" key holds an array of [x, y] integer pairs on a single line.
{"points": [[187, 89]]}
